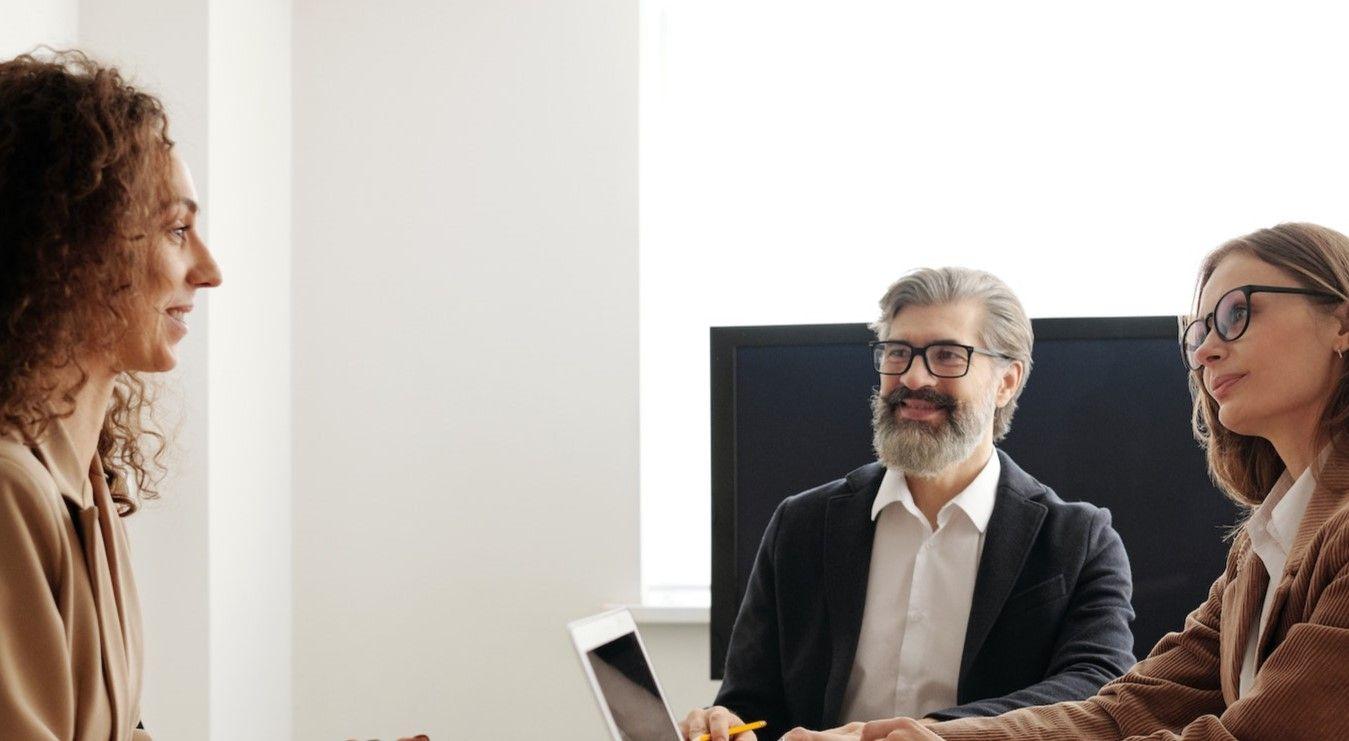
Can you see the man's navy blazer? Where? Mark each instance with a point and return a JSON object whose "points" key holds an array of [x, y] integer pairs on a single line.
{"points": [[1049, 620]]}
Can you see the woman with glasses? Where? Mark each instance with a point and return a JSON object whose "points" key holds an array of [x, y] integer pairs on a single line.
{"points": [[1267, 653]]}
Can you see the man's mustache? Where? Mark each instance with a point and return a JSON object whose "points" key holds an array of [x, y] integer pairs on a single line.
{"points": [[929, 395]]}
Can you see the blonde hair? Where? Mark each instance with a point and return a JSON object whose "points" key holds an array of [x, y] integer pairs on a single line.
{"points": [[1247, 467], [1006, 328]]}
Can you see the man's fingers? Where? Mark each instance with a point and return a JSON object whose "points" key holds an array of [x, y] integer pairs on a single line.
{"points": [[694, 724], [915, 733], [716, 722], [719, 722], [878, 730], [897, 729]]}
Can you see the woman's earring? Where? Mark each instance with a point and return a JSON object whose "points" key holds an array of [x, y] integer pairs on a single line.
{"points": [[1339, 354]]}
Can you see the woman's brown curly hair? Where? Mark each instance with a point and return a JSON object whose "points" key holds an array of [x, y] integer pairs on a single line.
{"points": [[85, 176]]}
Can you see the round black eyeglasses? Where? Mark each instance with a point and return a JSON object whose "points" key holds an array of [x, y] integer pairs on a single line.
{"points": [[1231, 317]]}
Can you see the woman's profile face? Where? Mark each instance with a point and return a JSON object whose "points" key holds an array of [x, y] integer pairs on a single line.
{"points": [[180, 265], [1276, 377]]}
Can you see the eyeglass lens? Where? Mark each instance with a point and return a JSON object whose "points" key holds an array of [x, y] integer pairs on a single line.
{"points": [[1229, 321]]}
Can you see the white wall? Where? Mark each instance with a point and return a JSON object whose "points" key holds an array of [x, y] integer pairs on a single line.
{"points": [[26, 23], [249, 155], [465, 360]]}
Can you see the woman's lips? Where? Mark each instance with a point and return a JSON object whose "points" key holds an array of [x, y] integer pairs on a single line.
{"points": [[1224, 385], [178, 320]]}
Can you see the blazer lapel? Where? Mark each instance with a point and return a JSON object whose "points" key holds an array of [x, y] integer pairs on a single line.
{"points": [[1331, 482], [1241, 615], [1011, 532], [849, 531]]}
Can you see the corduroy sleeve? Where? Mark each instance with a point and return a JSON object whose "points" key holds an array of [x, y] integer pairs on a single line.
{"points": [[1299, 690], [1178, 682]]}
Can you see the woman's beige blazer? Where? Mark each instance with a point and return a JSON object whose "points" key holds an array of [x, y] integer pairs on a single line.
{"points": [[70, 622]]}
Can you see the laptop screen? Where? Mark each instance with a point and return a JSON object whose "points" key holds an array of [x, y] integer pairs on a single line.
{"points": [[629, 689]]}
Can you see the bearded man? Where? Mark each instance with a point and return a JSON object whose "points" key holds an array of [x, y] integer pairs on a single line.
{"points": [[941, 581]]}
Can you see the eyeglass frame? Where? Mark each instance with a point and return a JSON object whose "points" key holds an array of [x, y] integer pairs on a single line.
{"points": [[1211, 323], [917, 351]]}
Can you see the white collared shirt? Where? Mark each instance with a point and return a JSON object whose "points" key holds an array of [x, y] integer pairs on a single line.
{"points": [[919, 589], [1272, 528]]}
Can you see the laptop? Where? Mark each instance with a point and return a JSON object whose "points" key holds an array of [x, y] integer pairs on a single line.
{"points": [[619, 670]]}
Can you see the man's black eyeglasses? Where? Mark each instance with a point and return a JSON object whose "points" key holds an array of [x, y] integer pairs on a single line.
{"points": [[943, 359]]}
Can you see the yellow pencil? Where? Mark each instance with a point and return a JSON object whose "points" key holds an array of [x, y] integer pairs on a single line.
{"points": [[730, 732]]}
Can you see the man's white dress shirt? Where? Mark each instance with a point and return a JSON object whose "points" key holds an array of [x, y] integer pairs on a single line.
{"points": [[1272, 528], [919, 589]]}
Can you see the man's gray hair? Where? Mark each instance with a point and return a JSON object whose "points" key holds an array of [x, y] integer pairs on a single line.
{"points": [[1006, 327]]}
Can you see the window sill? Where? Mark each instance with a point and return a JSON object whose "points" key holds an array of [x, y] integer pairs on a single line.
{"points": [[672, 606], [667, 615]]}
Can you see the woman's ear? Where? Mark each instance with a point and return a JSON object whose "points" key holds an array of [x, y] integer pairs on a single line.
{"points": [[1342, 336]]}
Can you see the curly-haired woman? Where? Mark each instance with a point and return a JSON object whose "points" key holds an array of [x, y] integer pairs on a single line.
{"points": [[100, 263]]}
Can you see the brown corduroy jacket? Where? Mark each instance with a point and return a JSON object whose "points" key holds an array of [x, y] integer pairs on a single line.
{"points": [[1187, 687], [70, 623]]}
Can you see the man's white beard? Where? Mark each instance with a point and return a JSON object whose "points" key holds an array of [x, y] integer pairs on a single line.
{"points": [[922, 449]]}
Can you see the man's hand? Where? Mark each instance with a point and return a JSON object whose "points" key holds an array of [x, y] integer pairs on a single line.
{"points": [[850, 732], [895, 729], [714, 721]]}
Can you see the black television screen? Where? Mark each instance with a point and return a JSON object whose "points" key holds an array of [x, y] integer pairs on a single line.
{"points": [[1105, 418]]}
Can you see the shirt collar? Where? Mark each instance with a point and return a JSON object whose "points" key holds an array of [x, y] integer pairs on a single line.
{"points": [[1280, 514], [57, 453], [976, 500]]}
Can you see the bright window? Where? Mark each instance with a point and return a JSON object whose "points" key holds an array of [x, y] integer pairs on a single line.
{"points": [[798, 157]]}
